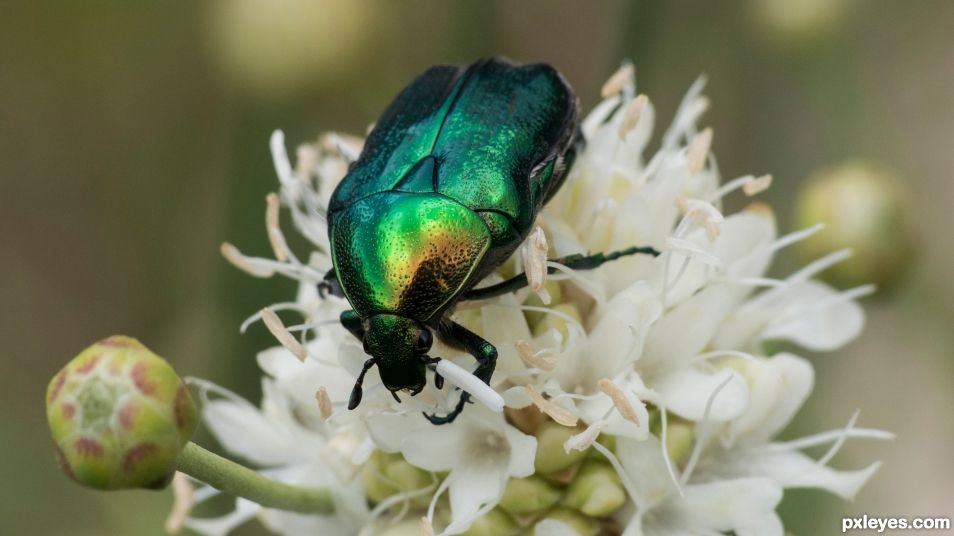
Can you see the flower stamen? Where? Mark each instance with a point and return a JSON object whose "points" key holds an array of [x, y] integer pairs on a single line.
{"points": [[620, 81], [324, 403], [631, 115], [273, 230], [535, 263], [622, 404], [557, 413], [284, 337], [534, 359]]}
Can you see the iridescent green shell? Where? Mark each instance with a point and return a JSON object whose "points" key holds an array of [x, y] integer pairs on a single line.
{"points": [[449, 183]]}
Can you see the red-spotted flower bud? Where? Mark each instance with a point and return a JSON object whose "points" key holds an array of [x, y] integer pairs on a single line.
{"points": [[119, 416]]}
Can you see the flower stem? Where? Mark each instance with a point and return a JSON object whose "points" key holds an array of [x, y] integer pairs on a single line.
{"points": [[236, 479]]}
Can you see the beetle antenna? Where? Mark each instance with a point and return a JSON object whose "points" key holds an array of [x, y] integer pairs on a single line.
{"points": [[356, 392]]}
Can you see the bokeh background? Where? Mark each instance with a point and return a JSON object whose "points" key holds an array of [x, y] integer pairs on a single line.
{"points": [[133, 141]]}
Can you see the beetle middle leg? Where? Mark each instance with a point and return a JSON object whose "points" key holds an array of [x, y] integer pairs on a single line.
{"points": [[351, 320], [458, 336], [575, 262]]}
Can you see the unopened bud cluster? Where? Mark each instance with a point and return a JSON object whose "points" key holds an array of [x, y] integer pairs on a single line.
{"points": [[577, 487], [119, 416]]}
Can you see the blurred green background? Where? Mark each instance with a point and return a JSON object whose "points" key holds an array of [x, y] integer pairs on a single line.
{"points": [[133, 141]]}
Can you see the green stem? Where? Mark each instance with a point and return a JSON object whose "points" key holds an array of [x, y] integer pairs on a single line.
{"points": [[236, 479]]}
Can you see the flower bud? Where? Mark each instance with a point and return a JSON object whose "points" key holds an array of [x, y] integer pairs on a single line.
{"points": [[494, 523], [864, 208], [596, 491], [583, 525], [551, 456], [554, 289], [119, 416], [794, 25], [556, 321], [529, 495], [680, 433], [679, 440], [408, 527], [388, 474]]}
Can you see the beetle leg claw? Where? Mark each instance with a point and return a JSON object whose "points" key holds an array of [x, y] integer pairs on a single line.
{"points": [[449, 418], [324, 289]]}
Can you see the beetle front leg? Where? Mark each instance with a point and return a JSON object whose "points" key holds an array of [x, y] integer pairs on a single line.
{"points": [[457, 336], [485, 353]]}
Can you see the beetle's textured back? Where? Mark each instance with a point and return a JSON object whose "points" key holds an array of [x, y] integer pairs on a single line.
{"points": [[486, 140], [487, 128], [406, 254]]}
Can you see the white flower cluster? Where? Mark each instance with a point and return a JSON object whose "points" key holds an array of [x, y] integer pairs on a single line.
{"points": [[655, 367]]}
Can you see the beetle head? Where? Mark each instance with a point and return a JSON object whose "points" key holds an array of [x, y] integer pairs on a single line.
{"points": [[398, 345]]}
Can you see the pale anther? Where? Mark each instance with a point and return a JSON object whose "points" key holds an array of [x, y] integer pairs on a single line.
{"points": [[235, 257], [558, 414], [623, 76], [619, 400], [277, 329], [699, 150], [526, 353]]}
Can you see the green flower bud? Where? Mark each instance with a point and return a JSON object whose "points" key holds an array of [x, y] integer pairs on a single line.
{"points": [[409, 527], [529, 495], [388, 474], [555, 321], [680, 436], [596, 491], [680, 433], [119, 416], [494, 523], [793, 25], [583, 525], [551, 456], [864, 208], [556, 296]]}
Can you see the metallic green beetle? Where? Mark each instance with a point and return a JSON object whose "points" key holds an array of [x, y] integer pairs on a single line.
{"points": [[448, 185]]}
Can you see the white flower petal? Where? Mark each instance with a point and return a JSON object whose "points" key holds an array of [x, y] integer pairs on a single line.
{"points": [[388, 430], [793, 469], [244, 431], [646, 468], [686, 392], [766, 525], [778, 388], [727, 505], [436, 449], [221, 526], [523, 449], [682, 333], [470, 489], [516, 397], [619, 334], [819, 329]]}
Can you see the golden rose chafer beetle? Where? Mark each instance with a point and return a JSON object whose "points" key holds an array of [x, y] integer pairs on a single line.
{"points": [[449, 183]]}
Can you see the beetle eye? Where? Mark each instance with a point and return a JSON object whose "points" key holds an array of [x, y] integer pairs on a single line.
{"points": [[424, 340]]}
